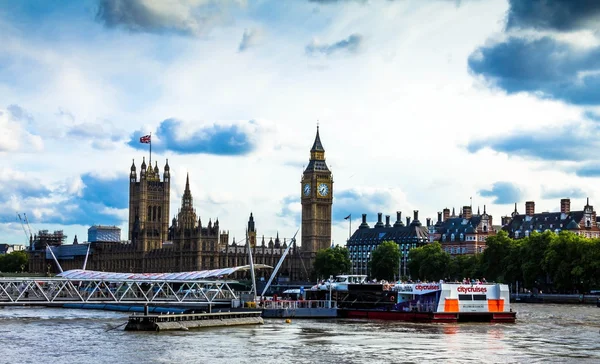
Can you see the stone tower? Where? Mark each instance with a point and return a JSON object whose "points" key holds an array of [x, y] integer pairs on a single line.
{"points": [[149, 200], [251, 232], [317, 199]]}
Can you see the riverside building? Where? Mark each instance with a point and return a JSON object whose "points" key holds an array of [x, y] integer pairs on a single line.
{"points": [[366, 239]]}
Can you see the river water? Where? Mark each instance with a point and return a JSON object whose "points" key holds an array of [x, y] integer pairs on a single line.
{"points": [[543, 333]]}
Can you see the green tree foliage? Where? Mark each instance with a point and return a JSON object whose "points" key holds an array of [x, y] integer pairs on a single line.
{"points": [[332, 261], [14, 262], [500, 259], [562, 263], [385, 260], [464, 266], [429, 262]]}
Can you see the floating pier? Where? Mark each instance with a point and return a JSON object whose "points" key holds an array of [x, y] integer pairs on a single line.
{"points": [[161, 322]]}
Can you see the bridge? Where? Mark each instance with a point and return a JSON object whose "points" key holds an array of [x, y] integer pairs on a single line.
{"points": [[190, 289]]}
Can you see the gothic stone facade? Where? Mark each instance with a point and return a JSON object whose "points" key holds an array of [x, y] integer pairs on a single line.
{"points": [[188, 245]]}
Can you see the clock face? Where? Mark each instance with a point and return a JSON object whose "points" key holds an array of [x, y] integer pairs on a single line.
{"points": [[323, 189], [307, 189]]}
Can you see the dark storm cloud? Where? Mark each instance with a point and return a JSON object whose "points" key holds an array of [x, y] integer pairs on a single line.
{"points": [[212, 139], [561, 15], [545, 66], [503, 193], [188, 18]]}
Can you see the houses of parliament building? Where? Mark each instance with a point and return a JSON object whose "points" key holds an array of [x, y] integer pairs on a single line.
{"points": [[186, 243]]}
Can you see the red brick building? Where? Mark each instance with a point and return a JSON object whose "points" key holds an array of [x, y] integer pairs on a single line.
{"points": [[462, 234]]}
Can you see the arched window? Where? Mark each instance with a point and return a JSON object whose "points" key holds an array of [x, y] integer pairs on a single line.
{"points": [[452, 237], [485, 228]]}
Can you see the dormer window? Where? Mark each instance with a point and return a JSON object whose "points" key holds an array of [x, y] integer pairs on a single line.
{"points": [[452, 237]]}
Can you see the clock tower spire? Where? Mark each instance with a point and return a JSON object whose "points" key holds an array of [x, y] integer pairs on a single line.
{"points": [[317, 200]]}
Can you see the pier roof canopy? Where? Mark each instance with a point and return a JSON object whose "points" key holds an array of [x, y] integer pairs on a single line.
{"points": [[186, 276]]}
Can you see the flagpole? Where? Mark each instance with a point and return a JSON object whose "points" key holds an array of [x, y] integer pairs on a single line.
{"points": [[150, 150]]}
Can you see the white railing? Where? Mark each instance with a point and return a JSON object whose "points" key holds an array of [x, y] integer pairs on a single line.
{"points": [[293, 305], [36, 291]]}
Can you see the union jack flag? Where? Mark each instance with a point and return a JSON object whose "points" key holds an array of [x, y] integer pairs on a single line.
{"points": [[145, 139]]}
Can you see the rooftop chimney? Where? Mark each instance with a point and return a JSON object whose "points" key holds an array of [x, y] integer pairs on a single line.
{"points": [[529, 208], [429, 221], [387, 221], [379, 222], [446, 214], [398, 219], [407, 220], [565, 205], [439, 217], [467, 212], [364, 222]]}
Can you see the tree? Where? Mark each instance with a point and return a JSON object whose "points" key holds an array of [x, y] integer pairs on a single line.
{"points": [[463, 266], [429, 262], [332, 261], [500, 260], [385, 260], [14, 262]]}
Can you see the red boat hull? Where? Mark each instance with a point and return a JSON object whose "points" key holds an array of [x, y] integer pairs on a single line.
{"points": [[442, 317]]}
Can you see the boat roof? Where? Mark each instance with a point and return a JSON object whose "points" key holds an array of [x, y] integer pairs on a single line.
{"points": [[179, 276]]}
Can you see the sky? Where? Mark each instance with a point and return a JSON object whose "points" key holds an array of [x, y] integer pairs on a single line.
{"points": [[421, 105]]}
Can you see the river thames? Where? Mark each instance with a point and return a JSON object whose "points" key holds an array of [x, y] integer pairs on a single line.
{"points": [[543, 333]]}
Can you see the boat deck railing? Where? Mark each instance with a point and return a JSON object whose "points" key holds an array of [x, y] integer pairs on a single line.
{"points": [[296, 304]]}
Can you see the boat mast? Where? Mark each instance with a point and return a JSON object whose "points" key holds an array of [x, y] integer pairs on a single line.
{"points": [[279, 263], [86, 255], [251, 267]]}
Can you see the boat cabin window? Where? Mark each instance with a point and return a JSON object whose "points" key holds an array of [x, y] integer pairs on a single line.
{"points": [[479, 297], [465, 297]]}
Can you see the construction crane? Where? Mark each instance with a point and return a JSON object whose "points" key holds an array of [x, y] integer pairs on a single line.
{"points": [[23, 226], [29, 227]]}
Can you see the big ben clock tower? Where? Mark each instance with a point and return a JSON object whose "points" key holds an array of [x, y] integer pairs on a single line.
{"points": [[317, 199]]}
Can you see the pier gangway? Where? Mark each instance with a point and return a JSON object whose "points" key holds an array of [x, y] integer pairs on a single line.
{"points": [[92, 287]]}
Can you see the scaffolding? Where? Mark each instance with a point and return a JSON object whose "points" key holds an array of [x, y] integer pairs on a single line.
{"points": [[45, 238]]}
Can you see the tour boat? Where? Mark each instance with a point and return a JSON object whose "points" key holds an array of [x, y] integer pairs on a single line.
{"points": [[431, 302], [342, 282]]}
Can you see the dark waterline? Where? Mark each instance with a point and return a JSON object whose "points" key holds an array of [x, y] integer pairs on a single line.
{"points": [[543, 333]]}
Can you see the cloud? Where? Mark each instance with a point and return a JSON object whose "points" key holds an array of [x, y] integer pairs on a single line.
{"points": [[185, 17], [175, 136], [503, 193], [588, 170], [103, 135], [250, 38], [86, 201], [568, 143], [14, 136], [561, 15], [545, 66], [353, 202], [351, 45], [572, 192], [291, 209], [14, 184]]}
